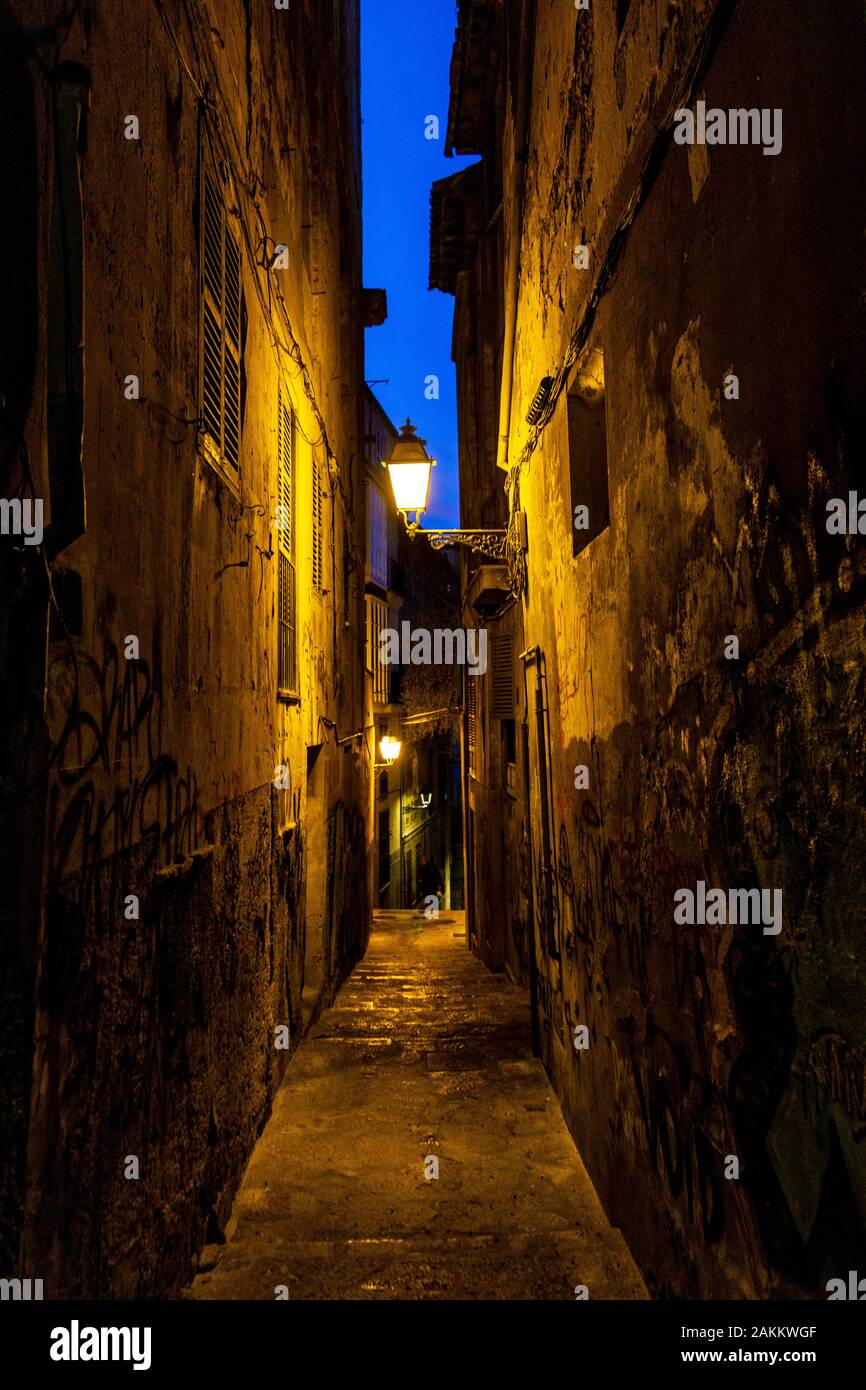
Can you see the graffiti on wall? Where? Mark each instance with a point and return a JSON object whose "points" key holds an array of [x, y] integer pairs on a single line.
{"points": [[114, 784], [798, 1083], [727, 1043]]}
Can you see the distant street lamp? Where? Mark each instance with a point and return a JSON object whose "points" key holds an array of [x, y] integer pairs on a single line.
{"points": [[409, 467]]}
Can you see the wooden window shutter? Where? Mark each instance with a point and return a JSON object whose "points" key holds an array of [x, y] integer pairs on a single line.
{"points": [[212, 312], [317, 524], [471, 716], [502, 677], [220, 327], [232, 351], [285, 479], [287, 677]]}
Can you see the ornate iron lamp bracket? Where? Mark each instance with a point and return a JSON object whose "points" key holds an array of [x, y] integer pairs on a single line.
{"points": [[492, 544], [488, 543]]}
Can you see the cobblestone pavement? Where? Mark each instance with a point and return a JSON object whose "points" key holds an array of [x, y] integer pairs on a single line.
{"points": [[425, 1054]]}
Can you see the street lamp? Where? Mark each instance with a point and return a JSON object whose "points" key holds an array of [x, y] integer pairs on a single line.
{"points": [[390, 750], [409, 467]]}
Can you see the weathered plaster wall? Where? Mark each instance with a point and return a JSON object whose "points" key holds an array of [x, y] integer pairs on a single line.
{"points": [[156, 1036], [706, 1041]]}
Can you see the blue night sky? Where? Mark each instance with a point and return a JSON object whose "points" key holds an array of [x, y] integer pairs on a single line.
{"points": [[405, 61]]}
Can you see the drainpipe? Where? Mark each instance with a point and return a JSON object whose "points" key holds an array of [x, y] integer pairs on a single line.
{"points": [[516, 200]]}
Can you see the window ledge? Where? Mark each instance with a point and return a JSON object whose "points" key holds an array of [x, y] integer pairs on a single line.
{"points": [[225, 474]]}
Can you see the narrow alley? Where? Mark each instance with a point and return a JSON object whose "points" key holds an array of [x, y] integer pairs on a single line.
{"points": [[426, 1053], [432, 668]]}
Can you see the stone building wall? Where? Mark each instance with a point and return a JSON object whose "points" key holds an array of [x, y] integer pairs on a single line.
{"points": [[708, 507], [181, 777]]}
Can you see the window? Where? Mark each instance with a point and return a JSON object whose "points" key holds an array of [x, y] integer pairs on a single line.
{"points": [[377, 619], [471, 717], [287, 659], [502, 702], [587, 454], [317, 523], [377, 537], [502, 677], [220, 328]]}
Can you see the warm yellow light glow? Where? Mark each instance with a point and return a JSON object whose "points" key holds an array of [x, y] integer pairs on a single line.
{"points": [[409, 469], [411, 484], [390, 748]]}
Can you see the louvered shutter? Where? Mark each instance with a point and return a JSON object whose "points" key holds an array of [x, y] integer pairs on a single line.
{"points": [[221, 327], [286, 620], [212, 313], [285, 480], [317, 524], [502, 677], [231, 350], [471, 683]]}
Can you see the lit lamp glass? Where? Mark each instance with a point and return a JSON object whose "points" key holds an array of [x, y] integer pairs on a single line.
{"points": [[390, 748], [411, 485], [409, 470]]}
